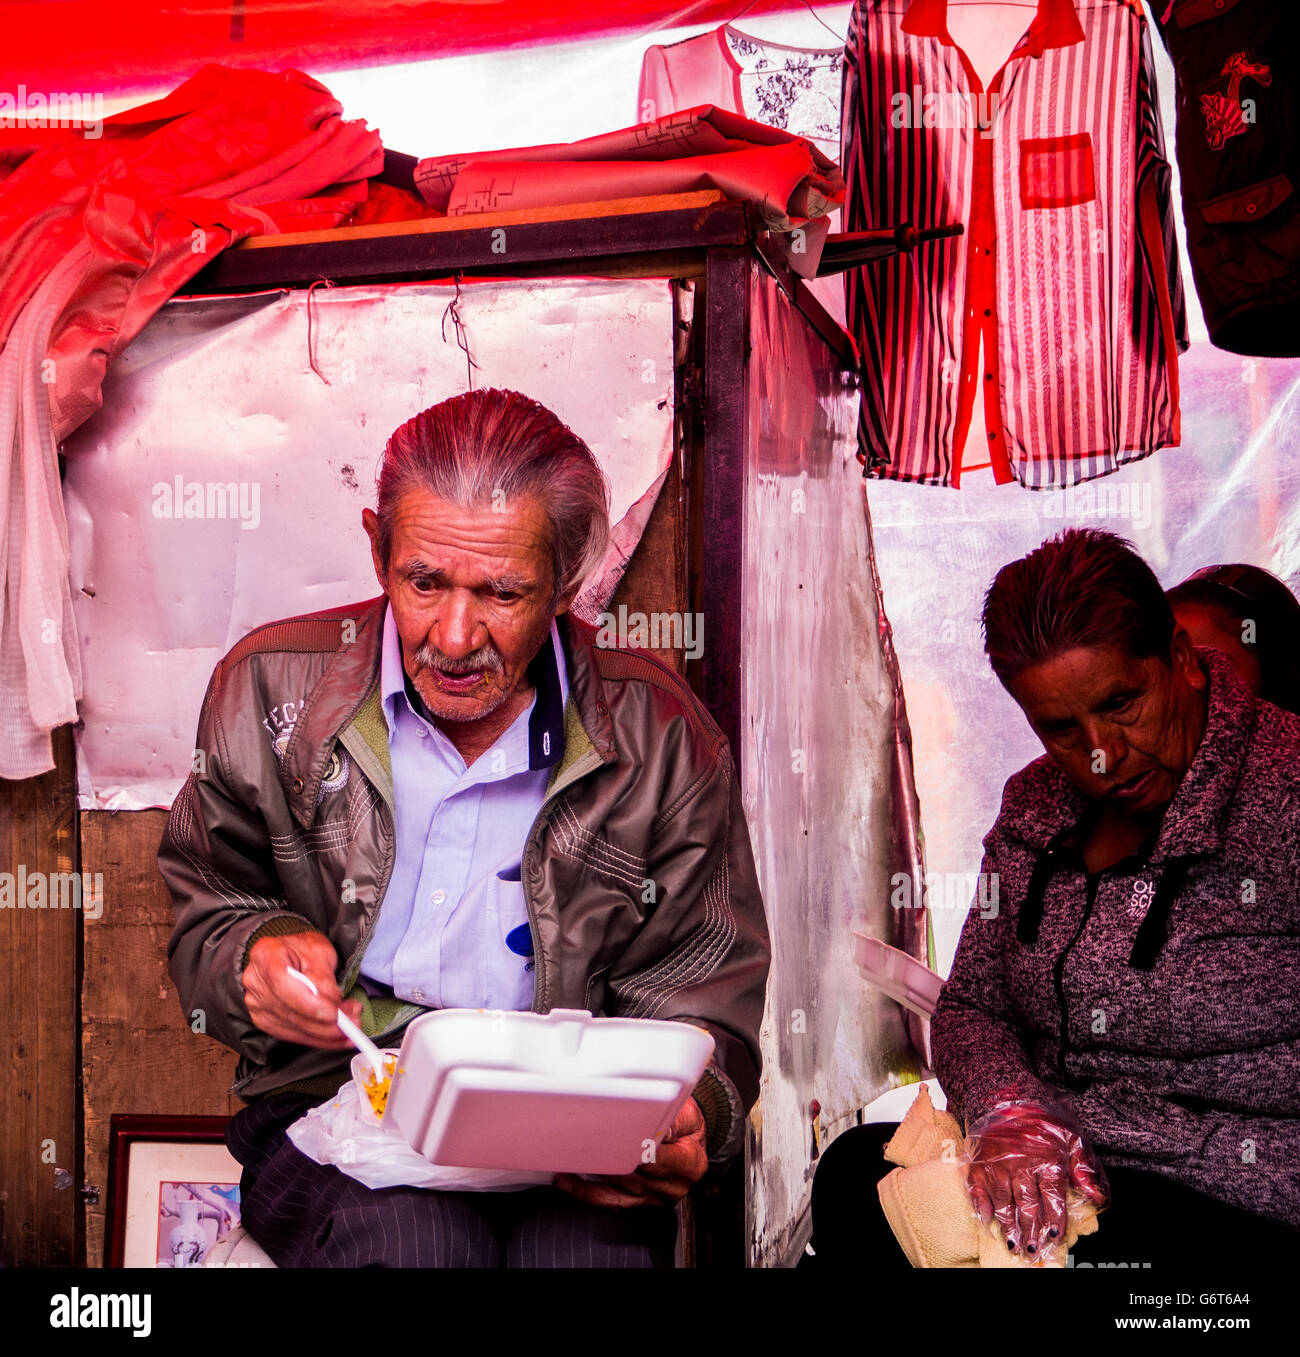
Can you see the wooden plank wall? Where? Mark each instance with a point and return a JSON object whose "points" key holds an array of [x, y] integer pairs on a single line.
{"points": [[138, 1053], [39, 1152]]}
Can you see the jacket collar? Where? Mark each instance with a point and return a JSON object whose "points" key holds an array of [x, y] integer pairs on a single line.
{"points": [[353, 674], [1194, 821], [1056, 24]]}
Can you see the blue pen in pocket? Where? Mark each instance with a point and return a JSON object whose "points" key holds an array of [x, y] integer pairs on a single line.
{"points": [[519, 939]]}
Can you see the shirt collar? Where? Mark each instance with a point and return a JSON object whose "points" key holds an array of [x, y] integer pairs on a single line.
{"points": [[547, 672], [1056, 24]]}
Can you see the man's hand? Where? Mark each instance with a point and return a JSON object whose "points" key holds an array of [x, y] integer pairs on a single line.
{"points": [[681, 1160], [284, 1007]]}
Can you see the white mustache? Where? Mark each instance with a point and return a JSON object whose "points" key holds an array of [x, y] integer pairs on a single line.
{"points": [[487, 658]]}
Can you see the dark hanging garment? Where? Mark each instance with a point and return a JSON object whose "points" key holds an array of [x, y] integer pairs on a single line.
{"points": [[1238, 155]]}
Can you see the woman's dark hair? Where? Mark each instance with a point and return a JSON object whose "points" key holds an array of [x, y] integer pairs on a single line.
{"points": [[1248, 594], [1084, 587]]}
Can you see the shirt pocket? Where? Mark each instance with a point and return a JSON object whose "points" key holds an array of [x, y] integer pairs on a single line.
{"points": [[1255, 234], [510, 978], [1057, 172]]}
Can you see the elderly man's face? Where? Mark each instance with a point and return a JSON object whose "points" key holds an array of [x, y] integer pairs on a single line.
{"points": [[471, 593], [1123, 730]]}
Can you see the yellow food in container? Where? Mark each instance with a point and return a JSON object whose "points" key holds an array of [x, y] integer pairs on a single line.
{"points": [[377, 1089]]}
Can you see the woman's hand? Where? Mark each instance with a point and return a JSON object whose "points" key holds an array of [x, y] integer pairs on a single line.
{"points": [[1022, 1161]]}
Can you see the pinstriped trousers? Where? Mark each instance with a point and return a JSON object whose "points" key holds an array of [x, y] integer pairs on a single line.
{"points": [[306, 1214]]}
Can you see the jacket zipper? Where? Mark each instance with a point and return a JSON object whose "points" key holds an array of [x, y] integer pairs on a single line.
{"points": [[580, 769], [1059, 970]]}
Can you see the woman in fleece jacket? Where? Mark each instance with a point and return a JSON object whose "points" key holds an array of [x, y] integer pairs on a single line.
{"points": [[1128, 1023]]}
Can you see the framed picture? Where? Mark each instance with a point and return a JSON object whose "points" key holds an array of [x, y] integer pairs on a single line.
{"points": [[173, 1190]]}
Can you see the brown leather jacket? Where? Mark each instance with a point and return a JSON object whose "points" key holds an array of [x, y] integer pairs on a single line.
{"points": [[263, 841]]}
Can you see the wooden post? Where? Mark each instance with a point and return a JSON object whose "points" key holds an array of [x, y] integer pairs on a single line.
{"points": [[40, 1151]]}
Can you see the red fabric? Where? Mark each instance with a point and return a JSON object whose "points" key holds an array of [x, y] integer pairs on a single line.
{"points": [[169, 184], [133, 45], [387, 202]]}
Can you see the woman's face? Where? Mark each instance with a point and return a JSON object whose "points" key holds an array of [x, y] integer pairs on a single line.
{"points": [[1211, 626], [1123, 730]]}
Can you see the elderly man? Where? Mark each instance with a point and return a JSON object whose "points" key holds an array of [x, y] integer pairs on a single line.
{"points": [[451, 796]]}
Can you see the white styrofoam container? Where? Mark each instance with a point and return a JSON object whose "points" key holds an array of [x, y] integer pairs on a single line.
{"points": [[905, 979], [559, 1092]]}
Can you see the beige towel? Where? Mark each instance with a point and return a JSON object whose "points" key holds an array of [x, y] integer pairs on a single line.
{"points": [[929, 1211]]}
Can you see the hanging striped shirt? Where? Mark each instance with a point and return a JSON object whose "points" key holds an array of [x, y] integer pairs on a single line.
{"points": [[1068, 269]]}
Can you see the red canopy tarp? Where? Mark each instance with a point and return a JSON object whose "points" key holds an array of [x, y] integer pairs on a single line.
{"points": [[88, 46]]}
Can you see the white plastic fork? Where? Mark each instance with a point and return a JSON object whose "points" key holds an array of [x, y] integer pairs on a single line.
{"points": [[349, 1029]]}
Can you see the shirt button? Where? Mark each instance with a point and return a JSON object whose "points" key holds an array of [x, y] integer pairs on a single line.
{"points": [[422, 732], [438, 897], [988, 313], [988, 376], [417, 994]]}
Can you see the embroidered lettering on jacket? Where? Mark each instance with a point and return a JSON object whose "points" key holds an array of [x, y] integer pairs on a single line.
{"points": [[279, 723], [1226, 113]]}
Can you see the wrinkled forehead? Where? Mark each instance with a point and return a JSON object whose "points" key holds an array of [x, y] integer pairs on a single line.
{"points": [[481, 540], [1085, 680]]}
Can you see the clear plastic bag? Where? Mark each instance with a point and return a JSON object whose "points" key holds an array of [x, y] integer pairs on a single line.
{"points": [[343, 1132]]}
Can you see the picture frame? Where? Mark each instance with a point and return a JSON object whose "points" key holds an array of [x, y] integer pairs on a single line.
{"points": [[173, 1190]]}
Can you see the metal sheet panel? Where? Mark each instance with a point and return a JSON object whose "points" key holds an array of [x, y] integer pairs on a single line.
{"points": [[819, 763], [289, 398]]}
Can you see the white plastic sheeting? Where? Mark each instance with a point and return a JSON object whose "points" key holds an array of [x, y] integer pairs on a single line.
{"points": [[819, 759], [1231, 492], [219, 407]]}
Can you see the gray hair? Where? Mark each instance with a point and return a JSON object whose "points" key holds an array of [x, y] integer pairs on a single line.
{"points": [[490, 446]]}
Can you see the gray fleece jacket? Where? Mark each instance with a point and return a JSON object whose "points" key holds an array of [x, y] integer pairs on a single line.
{"points": [[1159, 998]]}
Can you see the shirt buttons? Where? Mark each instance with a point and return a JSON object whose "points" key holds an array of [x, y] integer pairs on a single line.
{"points": [[422, 732], [438, 897]]}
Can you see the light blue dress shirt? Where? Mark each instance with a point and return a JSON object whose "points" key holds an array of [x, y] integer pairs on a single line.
{"points": [[452, 931]]}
